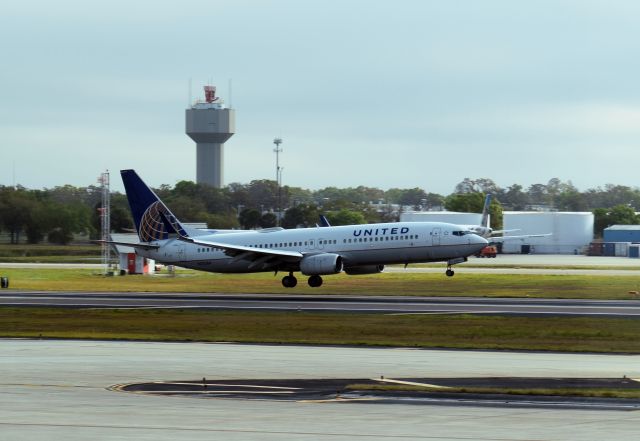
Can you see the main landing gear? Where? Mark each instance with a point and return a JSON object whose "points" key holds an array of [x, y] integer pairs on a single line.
{"points": [[449, 271], [315, 281], [290, 281]]}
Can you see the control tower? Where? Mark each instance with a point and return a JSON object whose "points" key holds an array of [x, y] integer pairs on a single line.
{"points": [[210, 125]]}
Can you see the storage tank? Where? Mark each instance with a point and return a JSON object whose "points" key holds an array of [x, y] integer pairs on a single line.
{"points": [[570, 232], [452, 217]]}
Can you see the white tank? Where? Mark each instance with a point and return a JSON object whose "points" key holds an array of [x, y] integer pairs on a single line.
{"points": [[452, 217], [570, 231]]}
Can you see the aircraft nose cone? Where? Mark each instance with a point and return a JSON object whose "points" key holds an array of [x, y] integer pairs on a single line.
{"points": [[478, 241]]}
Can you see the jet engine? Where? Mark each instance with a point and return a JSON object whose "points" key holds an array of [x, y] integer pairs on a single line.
{"points": [[320, 264], [364, 269]]}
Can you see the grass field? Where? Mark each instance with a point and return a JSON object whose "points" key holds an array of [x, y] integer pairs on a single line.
{"points": [[411, 284], [46, 253], [577, 334], [563, 392]]}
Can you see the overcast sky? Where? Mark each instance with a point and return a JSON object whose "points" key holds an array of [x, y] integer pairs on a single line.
{"points": [[377, 93]]}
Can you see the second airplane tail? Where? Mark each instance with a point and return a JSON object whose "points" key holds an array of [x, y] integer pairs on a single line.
{"points": [[485, 211], [153, 220]]}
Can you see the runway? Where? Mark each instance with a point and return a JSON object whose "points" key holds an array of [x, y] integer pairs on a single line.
{"points": [[365, 390], [351, 304], [52, 390]]}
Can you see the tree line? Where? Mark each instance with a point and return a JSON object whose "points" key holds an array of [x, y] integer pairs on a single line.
{"points": [[58, 213]]}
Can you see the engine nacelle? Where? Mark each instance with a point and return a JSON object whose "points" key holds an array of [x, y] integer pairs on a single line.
{"points": [[364, 269], [321, 264]]}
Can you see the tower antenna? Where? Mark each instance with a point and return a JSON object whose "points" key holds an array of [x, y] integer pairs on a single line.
{"points": [[278, 150]]}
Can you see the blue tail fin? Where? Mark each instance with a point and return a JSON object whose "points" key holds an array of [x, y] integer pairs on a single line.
{"points": [[153, 219], [324, 222]]}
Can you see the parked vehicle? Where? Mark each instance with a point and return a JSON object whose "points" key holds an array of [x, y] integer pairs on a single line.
{"points": [[488, 251]]}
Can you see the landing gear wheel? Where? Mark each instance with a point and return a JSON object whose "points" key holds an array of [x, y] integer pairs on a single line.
{"points": [[289, 281], [315, 281], [449, 272]]}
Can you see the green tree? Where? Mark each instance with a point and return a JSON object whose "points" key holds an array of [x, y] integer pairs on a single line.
{"points": [[268, 220], [474, 203], [618, 215], [18, 204], [223, 221], [249, 218], [39, 222], [345, 217], [302, 215], [67, 219], [515, 198]]}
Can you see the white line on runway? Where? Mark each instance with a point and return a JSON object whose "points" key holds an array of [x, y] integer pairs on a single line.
{"points": [[229, 385], [409, 383], [252, 392]]}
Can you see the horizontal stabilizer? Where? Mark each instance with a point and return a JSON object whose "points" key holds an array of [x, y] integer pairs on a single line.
{"points": [[141, 245]]}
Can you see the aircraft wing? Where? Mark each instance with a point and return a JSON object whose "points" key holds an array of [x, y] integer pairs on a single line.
{"points": [[264, 257], [526, 236], [504, 231]]}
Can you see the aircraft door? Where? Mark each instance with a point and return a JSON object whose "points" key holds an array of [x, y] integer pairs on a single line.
{"points": [[435, 236], [320, 244]]}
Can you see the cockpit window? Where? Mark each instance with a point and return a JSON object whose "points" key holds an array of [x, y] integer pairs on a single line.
{"points": [[460, 233]]}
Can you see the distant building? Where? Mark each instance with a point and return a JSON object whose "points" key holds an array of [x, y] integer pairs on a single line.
{"points": [[622, 233], [452, 217], [571, 232]]}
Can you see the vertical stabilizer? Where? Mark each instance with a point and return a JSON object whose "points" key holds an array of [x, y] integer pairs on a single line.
{"points": [[485, 211], [153, 220]]}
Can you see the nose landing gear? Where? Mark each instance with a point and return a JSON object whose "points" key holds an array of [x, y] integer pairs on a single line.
{"points": [[452, 262]]}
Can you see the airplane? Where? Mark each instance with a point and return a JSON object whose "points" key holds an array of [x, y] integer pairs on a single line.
{"points": [[484, 230], [315, 252]]}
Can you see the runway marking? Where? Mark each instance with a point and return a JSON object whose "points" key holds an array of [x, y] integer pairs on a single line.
{"points": [[338, 400], [227, 384], [409, 383], [203, 392]]}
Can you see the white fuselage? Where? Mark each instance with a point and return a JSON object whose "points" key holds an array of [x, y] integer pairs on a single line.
{"points": [[370, 244]]}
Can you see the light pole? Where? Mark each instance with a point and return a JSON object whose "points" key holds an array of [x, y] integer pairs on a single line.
{"points": [[278, 150]]}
